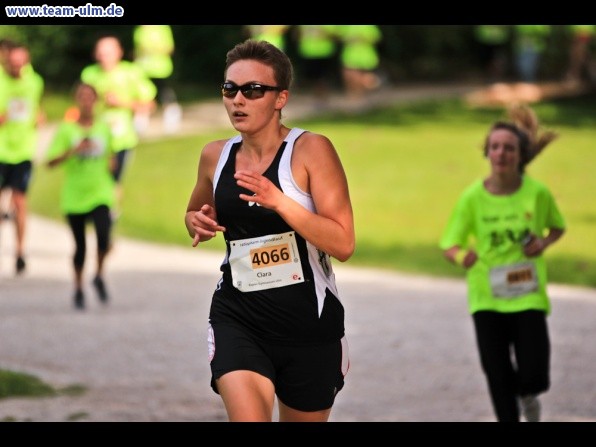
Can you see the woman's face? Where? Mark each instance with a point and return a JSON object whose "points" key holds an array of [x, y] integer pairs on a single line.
{"points": [[248, 115], [108, 52], [85, 98], [16, 60], [503, 151]]}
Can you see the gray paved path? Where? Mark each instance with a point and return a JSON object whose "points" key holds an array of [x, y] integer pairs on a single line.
{"points": [[144, 357]]}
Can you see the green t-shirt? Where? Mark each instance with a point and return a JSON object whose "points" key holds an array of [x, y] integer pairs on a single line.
{"points": [[154, 45], [88, 182], [19, 102], [317, 41], [494, 226], [274, 34], [359, 46], [130, 84]]}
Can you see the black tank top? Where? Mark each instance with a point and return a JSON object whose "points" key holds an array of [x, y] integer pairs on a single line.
{"points": [[304, 313]]}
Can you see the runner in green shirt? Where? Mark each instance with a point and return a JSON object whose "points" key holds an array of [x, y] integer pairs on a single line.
{"points": [[154, 46], [153, 50], [498, 231], [359, 57], [274, 34], [123, 89], [5, 205], [21, 89], [84, 149], [317, 45]]}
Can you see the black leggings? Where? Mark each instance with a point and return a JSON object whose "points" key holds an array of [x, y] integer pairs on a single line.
{"points": [[515, 356], [122, 157], [103, 223]]}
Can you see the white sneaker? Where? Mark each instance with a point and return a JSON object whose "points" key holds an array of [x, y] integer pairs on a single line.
{"points": [[530, 406], [172, 118]]}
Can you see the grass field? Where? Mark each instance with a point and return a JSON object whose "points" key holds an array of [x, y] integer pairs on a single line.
{"points": [[406, 166]]}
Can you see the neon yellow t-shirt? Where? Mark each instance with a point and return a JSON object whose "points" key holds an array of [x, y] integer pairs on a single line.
{"points": [[88, 182], [494, 226], [19, 102], [129, 84], [154, 45], [274, 34], [359, 46], [317, 41]]}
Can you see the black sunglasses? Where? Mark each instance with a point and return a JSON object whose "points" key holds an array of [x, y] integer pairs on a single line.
{"points": [[252, 90]]}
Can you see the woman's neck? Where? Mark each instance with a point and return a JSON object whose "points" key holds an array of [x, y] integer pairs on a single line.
{"points": [[264, 143], [503, 185], [85, 119]]}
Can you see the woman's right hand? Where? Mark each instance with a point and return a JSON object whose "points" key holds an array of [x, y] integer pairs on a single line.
{"points": [[470, 259], [84, 146], [204, 223]]}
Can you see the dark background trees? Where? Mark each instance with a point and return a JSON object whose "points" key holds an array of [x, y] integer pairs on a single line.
{"points": [[408, 52]]}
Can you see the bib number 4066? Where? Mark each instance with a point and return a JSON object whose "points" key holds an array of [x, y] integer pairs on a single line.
{"points": [[270, 256]]}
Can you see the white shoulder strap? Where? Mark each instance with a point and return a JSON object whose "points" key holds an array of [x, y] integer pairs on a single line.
{"points": [[293, 134], [223, 157]]}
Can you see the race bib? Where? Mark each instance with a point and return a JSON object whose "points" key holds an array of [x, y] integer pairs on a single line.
{"points": [[265, 262], [513, 280], [18, 109], [95, 149]]}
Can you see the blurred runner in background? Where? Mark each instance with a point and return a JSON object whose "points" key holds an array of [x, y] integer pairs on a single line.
{"points": [[123, 89], [21, 90], [153, 50]]}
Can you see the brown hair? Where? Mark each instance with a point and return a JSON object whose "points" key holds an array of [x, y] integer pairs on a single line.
{"points": [[266, 53], [524, 123]]}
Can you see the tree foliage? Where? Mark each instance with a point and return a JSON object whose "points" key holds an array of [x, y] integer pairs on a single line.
{"points": [[408, 52]]}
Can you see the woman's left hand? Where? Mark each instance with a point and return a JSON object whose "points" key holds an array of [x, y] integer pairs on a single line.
{"points": [[266, 194], [535, 247]]}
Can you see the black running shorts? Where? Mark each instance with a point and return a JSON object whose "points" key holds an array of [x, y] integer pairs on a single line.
{"points": [[306, 378], [16, 176]]}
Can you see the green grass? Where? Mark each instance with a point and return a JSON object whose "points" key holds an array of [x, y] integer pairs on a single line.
{"points": [[17, 384], [406, 166], [21, 384]]}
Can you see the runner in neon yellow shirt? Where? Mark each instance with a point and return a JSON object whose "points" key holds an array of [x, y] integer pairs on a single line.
{"points": [[21, 90], [359, 57], [274, 34], [498, 232], [84, 150], [317, 45], [499, 223], [5, 206], [154, 47], [123, 89], [88, 181]]}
